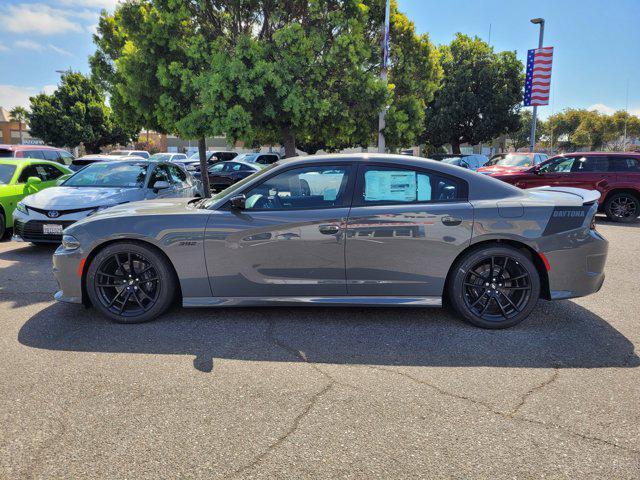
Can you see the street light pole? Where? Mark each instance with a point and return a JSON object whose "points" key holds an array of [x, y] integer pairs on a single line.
{"points": [[539, 21], [384, 76]]}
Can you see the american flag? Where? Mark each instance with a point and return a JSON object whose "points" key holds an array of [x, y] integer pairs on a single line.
{"points": [[538, 81]]}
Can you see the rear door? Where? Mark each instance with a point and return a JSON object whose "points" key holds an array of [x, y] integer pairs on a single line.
{"points": [[591, 173], [406, 227]]}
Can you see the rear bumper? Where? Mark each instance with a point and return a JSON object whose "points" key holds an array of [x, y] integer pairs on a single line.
{"points": [[577, 270]]}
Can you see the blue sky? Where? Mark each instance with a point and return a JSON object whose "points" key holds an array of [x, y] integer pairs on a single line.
{"points": [[597, 43]]}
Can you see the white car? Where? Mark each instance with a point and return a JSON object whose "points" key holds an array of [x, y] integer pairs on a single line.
{"points": [[41, 217], [131, 153]]}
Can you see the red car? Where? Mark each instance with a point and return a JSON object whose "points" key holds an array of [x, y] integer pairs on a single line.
{"points": [[512, 162], [41, 152], [615, 175]]}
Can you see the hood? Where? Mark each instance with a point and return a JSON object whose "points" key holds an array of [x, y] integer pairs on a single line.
{"points": [[62, 198], [498, 169], [162, 206]]}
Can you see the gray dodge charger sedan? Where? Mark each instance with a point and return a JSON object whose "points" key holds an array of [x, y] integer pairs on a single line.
{"points": [[357, 230]]}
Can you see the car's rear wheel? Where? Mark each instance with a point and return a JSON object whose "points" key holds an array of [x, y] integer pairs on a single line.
{"points": [[494, 286], [130, 283], [622, 207]]}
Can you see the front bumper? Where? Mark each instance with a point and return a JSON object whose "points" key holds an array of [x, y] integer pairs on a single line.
{"points": [[67, 270], [36, 227], [577, 270]]}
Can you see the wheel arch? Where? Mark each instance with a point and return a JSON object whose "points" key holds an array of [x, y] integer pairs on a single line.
{"points": [[523, 247], [98, 248], [617, 190]]}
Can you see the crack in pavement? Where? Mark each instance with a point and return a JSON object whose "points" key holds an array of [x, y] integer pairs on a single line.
{"points": [[510, 415], [290, 431], [554, 376]]}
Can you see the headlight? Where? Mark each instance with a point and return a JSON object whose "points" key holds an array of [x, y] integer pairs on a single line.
{"points": [[21, 207], [69, 242]]}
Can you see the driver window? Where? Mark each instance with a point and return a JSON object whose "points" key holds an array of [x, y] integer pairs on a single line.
{"points": [[561, 165], [160, 174], [308, 188]]}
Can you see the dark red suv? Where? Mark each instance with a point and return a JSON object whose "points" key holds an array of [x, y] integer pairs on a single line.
{"points": [[615, 175]]}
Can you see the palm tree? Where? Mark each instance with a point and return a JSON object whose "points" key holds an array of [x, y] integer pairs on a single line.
{"points": [[20, 115]]}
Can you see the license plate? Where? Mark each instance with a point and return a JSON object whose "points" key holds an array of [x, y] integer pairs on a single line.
{"points": [[52, 229]]}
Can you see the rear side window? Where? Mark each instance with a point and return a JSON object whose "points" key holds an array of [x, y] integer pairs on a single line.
{"points": [[32, 154], [625, 164], [6, 153], [591, 164], [66, 157], [388, 185], [51, 155]]}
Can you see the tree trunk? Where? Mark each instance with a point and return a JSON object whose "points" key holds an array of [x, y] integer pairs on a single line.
{"points": [[289, 144], [20, 130], [204, 171], [455, 147]]}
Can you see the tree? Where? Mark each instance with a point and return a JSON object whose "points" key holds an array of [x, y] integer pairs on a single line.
{"points": [[480, 95], [20, 115], [414, 77], [521, 137], [75, 113]]}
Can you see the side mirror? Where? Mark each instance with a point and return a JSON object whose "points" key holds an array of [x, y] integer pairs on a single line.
{"points": [[238, 202], [160, 185], [33, 181]]}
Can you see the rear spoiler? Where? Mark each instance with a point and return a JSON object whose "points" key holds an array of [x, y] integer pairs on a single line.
{"points": [[587, 196]]}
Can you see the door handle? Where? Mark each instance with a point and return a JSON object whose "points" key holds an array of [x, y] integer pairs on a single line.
{"points": [[329, 229], [451, 221]]}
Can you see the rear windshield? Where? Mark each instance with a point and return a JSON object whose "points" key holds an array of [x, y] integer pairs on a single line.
{"points": [[4, 153], [6, 173], [107, 174]]}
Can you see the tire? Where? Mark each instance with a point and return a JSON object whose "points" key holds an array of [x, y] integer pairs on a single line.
{"points": [[3, 226], [502, 303], [149, 289], [622, 207]]}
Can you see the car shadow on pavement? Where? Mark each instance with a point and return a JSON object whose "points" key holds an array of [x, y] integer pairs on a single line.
{"points": [[26, 274], [603, 220], [558, 334]]}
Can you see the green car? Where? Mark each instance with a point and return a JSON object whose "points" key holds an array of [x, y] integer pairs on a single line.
{"points": [[21, 177]]}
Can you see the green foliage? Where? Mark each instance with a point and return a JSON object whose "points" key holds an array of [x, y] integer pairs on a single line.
{"points": [[75, 113], [575, 129], [521, 137], [480, 95]]}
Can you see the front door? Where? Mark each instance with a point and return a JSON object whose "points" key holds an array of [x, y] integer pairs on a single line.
{"points": [[288, 240], [405, 229]]}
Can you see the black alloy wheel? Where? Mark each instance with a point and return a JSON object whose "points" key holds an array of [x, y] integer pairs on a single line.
{"points": [[130, 282], [495, 287], [622, 207], [3, 227]]}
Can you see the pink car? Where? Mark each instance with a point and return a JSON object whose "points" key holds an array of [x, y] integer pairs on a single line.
{"points": [[512, 162]]}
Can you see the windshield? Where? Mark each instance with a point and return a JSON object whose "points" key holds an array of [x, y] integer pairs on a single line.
{"points": [[6, 173], [236, 186], [127, 175], [452, 160], [511, 160]]}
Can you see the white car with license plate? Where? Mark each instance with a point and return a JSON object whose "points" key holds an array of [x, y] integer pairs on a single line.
{"points": [[41, 217]]}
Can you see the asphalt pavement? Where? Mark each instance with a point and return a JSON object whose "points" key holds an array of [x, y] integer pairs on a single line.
{"points": [[319, 393]]}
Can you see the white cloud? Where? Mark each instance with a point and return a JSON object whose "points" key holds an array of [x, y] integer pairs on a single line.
{"points": [[28, 45], [108, 4], [49, 89], [602, 108], [61, 51], [607, 110], [13, 95], [40, 19], [3, 48]]}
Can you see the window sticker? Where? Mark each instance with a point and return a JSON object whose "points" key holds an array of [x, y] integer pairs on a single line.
{"points": [[390, 185]]}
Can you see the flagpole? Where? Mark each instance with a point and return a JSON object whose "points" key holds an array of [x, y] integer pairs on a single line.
{"points": [[539, 21], [384, 76]]}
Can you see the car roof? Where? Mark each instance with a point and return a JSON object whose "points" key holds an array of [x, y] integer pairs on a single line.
{"points": [[28, 161], [29, 147], [599, 154]]}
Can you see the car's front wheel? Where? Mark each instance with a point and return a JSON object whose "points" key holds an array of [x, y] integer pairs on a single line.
{"points": [[494, 286], [130, 282], [3, 228], [622, 207]]}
